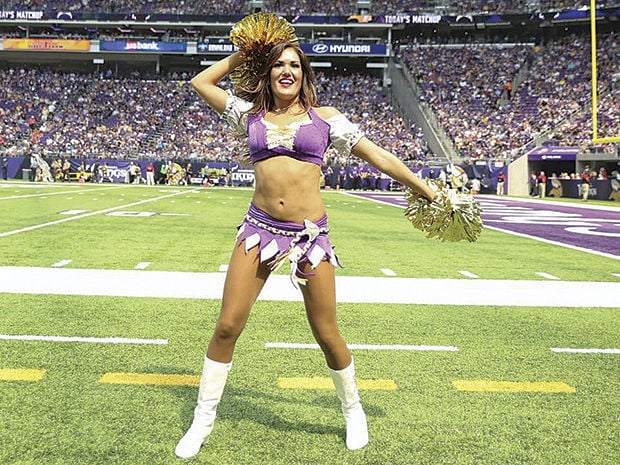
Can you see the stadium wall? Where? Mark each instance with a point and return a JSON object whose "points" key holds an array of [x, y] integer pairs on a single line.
{"points": [[518, 177]]}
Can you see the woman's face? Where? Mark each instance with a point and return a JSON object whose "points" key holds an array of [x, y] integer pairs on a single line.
{"points": [[286, 75]]}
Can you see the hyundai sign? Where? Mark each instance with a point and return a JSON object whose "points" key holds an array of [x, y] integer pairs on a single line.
{"points": [[345, 49]]}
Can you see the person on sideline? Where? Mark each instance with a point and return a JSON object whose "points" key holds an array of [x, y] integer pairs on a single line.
{"points": [[476, 185], [501, 179], [287, 134], [150, 174], [533, 184], [542, 185], [585, 184]]}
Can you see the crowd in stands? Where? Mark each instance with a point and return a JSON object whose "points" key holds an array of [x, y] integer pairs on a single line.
{"points": [[220, 7], [578, 131], [81, 115], [466, 88], [304, 7], [98, 116], [572, 89], [462, 86]]}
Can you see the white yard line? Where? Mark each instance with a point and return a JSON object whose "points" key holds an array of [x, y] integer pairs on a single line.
{"points": [[585, 351], [292, 345], [25, 196], [61, 263], [142, 265], [469, 274], [85, 215], [542, 274], [537, 201], [392, 290], [376, 200], [547, 241], [388, 272], [91, 340]]}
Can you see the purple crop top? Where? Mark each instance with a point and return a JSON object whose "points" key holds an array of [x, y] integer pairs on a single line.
{"points": [[305, 141], [310, 139]]}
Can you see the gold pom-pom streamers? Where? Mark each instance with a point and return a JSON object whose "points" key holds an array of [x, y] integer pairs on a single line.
{"points": [[452, 216], [255, 35]]}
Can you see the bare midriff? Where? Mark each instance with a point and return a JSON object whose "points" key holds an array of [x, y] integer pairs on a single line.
{"points": [[288, 189]]}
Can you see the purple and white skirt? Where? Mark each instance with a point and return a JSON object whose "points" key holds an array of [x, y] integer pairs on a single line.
{"points": [[276, 241]]}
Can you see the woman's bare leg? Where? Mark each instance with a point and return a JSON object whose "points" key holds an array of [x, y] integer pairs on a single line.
{"points": [[245, 278], [320, 301]]}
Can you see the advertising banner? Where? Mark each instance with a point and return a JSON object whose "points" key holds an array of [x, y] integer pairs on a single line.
{"points": [[345, 49], [219, 47], [10, 166], [243, 177], [410, 19], [309, 49], [19, 15], [553, 153], [142, 46], [55, 45]]}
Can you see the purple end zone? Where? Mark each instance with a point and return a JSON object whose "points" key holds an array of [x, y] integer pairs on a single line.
{"points": [[592, 227]]}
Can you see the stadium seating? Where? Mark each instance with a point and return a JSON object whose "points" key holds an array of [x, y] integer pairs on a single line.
{"points": [[91, 116], [301, 7], [98, 115], [470, 81]]}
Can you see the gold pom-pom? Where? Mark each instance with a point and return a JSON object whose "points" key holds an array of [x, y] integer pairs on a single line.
{"points": [[255, 35], [452, 216]]}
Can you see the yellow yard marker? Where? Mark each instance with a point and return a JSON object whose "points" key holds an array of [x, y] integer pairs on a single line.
{"points": [[327, 383], [508, 386], [21, 374], [152, 379]]}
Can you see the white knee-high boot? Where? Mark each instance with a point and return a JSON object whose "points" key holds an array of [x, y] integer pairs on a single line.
{"points": [[354, 415], [212, 382]]}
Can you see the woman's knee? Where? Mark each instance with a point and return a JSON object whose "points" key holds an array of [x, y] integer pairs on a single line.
{"points": [[227, 331], [329, 340], [335, 350]]}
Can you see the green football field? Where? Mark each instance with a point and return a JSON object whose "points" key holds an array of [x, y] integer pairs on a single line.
{"points": [[109, 377]]}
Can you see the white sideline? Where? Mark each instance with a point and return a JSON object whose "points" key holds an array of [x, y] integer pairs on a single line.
{"points": [[350, 289], [91, 340]]}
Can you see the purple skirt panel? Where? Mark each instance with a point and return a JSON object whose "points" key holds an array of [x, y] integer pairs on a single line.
{"points": [[279, 241]]}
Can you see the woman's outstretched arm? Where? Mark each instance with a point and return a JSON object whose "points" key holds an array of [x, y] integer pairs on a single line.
{"points": [[389, 164]]}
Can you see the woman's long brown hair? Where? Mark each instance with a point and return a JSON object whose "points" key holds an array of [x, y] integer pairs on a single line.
{"points": [[261, 96]]}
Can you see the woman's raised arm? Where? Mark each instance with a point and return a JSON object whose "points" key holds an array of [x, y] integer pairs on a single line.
{"points": [[205, 82]]}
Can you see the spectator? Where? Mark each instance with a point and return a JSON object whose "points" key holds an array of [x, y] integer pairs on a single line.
{"points": [[585, 184], [150, 174], [501, 179], [541, 181]]}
